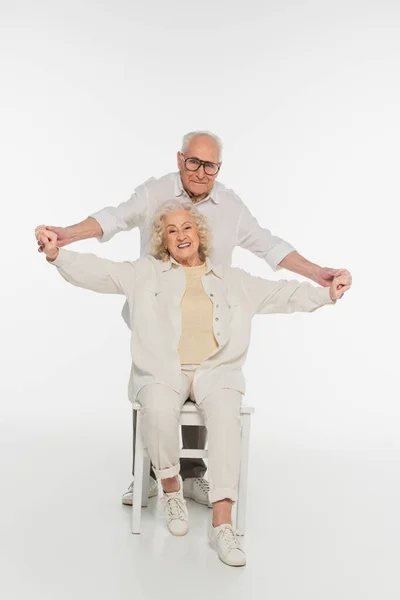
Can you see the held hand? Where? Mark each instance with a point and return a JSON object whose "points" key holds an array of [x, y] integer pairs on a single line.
{"points": [[340, 284], [48, 241], [324, 276], [63, 237]]}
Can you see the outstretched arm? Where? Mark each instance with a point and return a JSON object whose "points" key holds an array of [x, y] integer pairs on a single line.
{"points": [[292, 296], [89, 228], [278, 253], [87, 270], [105, 223], [296, 263]]}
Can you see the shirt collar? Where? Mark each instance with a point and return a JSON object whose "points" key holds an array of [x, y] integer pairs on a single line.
{"points": [[168, 264], [179, 191], [216, 269]]}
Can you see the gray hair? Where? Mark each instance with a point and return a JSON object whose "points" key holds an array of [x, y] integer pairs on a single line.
{"points": [[158, 249], [189, 136]]}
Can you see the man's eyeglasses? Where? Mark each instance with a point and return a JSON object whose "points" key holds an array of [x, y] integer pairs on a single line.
{"points": [[194, 164]]}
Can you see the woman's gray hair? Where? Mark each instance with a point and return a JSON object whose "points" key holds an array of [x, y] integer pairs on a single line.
{"points": [[189, 136], [158, 249]]}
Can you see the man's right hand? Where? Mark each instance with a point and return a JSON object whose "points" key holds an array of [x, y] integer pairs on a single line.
{"points": [[64, 236]]}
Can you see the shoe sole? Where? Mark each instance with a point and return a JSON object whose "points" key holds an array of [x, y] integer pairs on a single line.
{"points": [[128, 501], [177, 534], [230, 564]]}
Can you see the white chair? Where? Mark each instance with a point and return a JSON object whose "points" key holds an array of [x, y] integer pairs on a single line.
{"points": [[189, 416]]}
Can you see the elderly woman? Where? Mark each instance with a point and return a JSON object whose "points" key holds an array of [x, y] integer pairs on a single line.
{"points": [[190, 323]]}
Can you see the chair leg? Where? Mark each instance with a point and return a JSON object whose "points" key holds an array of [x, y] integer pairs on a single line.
{"points": [[145, 481], [138, 480], [242, 487]]}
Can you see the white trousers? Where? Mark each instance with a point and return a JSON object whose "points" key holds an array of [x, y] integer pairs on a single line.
{"points": [[161, 408]]}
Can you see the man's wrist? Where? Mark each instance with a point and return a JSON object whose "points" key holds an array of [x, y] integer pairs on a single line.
{"points": [[72, 234], [314, 272], [296, 263], [87, 229], [309, 270]]}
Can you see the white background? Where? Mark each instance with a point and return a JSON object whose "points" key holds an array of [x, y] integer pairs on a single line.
{"points": [[95, 97]]}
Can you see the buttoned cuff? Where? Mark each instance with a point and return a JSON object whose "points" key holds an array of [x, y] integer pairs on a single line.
{"points": [[62, 259], [107, 222], [277, 254], [324, 293]]}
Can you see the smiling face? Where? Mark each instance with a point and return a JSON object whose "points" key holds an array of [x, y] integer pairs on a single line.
{"points": [[198, 183], [181, 237]]}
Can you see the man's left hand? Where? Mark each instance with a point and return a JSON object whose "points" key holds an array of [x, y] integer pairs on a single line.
{"points": [[324, 275]]}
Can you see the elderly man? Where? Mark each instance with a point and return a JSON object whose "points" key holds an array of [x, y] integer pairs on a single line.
{"points": [[231, 224]]}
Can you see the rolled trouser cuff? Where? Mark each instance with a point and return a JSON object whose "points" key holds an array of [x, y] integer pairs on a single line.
{"points": [[167, 473], [223, 494]]}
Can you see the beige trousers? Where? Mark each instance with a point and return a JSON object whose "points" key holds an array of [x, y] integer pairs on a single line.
{"points": [[161, 408]]}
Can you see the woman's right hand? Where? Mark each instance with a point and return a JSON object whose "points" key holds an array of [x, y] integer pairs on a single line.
{"points": [[48, 242], [340, 284]]}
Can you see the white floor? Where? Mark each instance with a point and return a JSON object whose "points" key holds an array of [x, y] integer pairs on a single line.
{"points": [[321, 526]]}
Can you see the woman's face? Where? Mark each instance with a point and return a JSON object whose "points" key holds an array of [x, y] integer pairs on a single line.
{"points": [[181, 237]]}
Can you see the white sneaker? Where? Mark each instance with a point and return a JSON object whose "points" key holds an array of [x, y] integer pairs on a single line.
{"points": [[224, 540], [197, 489], [175, 510], [153, 491]]}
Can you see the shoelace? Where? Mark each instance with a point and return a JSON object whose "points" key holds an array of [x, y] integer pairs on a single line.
{"points": [[174, 508], [229, 538], [203, 484]]}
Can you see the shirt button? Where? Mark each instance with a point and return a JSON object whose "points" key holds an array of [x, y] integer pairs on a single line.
{"points": [[211, 295], [217, 318], [217, 306], [218, 333]]}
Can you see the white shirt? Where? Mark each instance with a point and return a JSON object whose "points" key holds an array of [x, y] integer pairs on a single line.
{"points": [[154, 290], [230, 221]]}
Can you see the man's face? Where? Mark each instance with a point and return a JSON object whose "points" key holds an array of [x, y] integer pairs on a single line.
{"points": [[198, 183], [181, 236]]}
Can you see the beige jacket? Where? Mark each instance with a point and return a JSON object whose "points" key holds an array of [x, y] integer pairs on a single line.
{"points": [[154, 290]]}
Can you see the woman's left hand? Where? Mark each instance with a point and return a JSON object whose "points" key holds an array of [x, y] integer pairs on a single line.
{"points": [[48, 240]]}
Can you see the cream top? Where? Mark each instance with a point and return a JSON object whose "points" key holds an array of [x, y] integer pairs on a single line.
{"points": [[197, 338]]}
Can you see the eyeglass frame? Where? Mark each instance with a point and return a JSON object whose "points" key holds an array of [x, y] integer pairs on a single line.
{"points": [[202, 164]]}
